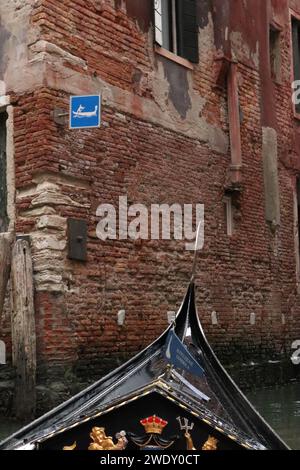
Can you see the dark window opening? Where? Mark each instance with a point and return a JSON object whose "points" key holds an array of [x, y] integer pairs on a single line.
{"points": [[296, 53], [176, 27], [275, 54], [3, 183]]}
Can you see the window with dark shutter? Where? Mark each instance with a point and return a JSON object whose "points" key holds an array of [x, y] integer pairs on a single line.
{"points": [[176, 27], [296, 53], [188, 30]]}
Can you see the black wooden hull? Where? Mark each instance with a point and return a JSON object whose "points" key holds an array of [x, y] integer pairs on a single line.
{"points": [[208, 412]]}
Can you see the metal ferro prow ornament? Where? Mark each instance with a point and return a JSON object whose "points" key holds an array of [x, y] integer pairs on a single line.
{"points": [[184, 424], [186, 427]]}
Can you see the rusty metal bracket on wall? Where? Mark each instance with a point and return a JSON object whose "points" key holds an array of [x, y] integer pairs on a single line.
{"points": [[59, 116]]}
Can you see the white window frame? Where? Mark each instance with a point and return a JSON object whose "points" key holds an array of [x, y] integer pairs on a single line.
{"points": [[164, 27], [158, 21]]}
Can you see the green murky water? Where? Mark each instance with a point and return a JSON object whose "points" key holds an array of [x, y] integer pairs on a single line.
{"points": [[281, 409], [279, 406]]}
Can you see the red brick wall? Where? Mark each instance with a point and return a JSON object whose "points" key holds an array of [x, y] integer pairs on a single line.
{"points": [[148, 148]]}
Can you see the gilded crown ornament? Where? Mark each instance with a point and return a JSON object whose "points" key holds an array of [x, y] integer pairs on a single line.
{"points": [[154, 424]]}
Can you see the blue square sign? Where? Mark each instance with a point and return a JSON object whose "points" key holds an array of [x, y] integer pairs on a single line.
{"points": [[85, 112]]}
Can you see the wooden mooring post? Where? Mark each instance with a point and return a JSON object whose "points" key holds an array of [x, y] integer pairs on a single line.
{"points": [[23, 330], [6, 240]]}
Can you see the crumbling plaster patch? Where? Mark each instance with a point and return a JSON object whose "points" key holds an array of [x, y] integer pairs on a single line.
{"points": [[59, 77], [182, 105], [47, 51], [241, 50], [270, 162], [48, 240], [17, 33], [10, 168], [46, 64], [10, 161]]}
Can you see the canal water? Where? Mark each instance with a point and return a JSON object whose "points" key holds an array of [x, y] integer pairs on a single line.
{"points": [[280, 407]]}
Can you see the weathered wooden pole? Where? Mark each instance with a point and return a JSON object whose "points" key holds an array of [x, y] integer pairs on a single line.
{"points": [[23, 331], [6, 240]]}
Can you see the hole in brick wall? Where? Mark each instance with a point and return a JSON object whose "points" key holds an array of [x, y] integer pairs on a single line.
{"points": [[214, 318], [232, 209]]}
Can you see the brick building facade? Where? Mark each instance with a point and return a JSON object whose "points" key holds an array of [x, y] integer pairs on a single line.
{"points": [[201, 115]]}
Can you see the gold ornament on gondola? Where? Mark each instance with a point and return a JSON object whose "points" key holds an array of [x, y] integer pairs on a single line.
{"points": [[211, 444], [73, 447], [154, 427], [103, 442], [187, 427], [154, 424]]}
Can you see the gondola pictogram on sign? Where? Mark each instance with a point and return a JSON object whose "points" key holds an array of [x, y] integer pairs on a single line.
{"points": [[85, 112]]}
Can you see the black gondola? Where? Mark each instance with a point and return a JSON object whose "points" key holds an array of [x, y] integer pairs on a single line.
{"points": [[156, 402]]}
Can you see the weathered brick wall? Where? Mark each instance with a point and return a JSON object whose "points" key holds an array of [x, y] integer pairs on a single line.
{"points": [[164, 139]]}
